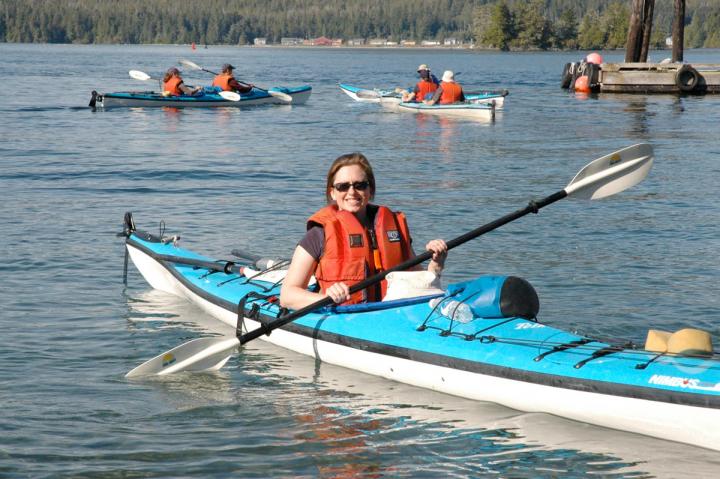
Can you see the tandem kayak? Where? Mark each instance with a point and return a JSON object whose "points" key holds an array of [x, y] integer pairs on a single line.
{"points": [[500, 354], [392, 97], [209, 98]]}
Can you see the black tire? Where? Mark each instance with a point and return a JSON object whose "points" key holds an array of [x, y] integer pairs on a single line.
{"points": [[687, 78], [566, 76], [593, 73]]}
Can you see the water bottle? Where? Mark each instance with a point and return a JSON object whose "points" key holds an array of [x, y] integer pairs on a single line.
{"points": [[452, 309]]}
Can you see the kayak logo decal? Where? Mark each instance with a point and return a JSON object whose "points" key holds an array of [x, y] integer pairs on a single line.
{"points": [[356, 241], [684, 383], [529, 325], [168, 359], [393, 236], [615, 159]]}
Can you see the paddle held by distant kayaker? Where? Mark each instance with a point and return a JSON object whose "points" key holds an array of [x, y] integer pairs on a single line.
{"points": [[350, 240], [227, 81], [448, 92], [173, 84]]}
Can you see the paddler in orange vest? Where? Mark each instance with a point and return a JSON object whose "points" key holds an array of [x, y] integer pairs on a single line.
{"points": [[449, 91], [350, 240], [425, 87], [227, 82], [173, 84]]}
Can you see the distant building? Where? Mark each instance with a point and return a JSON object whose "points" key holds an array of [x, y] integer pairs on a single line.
{"points": [[430, 43], [337, 42], [668, 41], [451, 41], [326, 42], [355, 42], [291, 41], [408, 43], [377, 42], [260, 41], [390, 44]]}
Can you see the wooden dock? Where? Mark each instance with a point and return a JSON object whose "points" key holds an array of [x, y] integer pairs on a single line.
{"points": [[659, 78]]}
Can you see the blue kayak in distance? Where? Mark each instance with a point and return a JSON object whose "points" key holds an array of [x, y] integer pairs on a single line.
{"points": [[501, 353], [208, 99]]}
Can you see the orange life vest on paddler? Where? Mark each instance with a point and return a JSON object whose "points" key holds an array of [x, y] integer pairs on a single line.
{"points": [[348, 254], [172, 86], [423, 89], [223, 81], [451, 93]]}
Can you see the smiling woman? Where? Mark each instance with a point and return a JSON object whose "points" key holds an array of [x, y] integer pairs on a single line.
{"points": [[350, 240]]}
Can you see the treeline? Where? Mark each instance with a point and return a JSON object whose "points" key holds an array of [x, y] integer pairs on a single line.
{"points": [[513, 24], [508, 24]]}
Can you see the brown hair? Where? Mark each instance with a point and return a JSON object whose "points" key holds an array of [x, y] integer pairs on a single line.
{"points": [[169, 74], [348, 160]]}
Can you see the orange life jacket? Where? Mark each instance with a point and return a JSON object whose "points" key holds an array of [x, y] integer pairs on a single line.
{"points": [[223, 81], [423, 89], [451, 93], [348, 255], [172, 86]]}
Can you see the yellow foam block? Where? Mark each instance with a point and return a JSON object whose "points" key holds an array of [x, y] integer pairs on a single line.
{"points": [[690, 341], [657, 340]]}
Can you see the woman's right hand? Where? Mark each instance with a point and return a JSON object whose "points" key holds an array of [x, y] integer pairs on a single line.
{"points": [[339, 292]]}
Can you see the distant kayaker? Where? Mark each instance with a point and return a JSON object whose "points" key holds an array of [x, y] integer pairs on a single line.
{"points": [[173, 84], [227, 81], [425, 87], [448, 92], [350, 240]]}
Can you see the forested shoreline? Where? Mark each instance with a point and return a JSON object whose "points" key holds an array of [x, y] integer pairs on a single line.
{"points": [[504, 24]]}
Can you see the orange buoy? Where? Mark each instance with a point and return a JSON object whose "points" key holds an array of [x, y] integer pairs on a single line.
{"points": [[193, 45], [594, 58], [582, 84]]}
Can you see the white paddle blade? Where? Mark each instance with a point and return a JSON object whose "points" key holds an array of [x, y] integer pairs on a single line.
{"points": [[138, 75], [202, 354], [368, 94], [230, 95], [189, 64], [280, 96], [612, 173]]}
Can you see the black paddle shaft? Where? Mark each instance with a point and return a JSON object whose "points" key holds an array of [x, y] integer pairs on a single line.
{"points": [[226, 267], [532, 207]]}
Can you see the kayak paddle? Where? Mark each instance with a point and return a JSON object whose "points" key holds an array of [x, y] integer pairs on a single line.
{"points": [[600, 178], [277, 94], [138, 75]]}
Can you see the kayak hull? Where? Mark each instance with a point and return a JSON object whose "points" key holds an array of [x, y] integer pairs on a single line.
{"points": [[393, 98], [152, 99], [609, 391], [479, 111]]}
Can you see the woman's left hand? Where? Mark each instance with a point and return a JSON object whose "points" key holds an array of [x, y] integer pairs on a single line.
{"points": [[439, 250]]}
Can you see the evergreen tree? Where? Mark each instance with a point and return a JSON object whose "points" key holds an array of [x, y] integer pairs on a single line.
{"points": [[500, 31]]}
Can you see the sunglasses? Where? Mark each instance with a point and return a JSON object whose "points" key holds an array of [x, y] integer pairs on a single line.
{"points": [[345, 186]]}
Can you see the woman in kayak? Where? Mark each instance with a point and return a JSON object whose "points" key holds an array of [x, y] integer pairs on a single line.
{"points": [[227, 81], [449, 91], [173, 84], [350, 240], [426, 86]]}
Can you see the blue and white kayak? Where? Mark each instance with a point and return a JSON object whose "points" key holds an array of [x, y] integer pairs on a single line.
{"points": [[209, 98], [379, 95], [501, 353]]}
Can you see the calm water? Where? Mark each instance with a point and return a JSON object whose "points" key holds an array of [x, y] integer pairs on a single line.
{"points": [[247, 178]]}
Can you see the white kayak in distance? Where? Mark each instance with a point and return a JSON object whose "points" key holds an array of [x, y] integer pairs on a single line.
{"points": [[394, 97]]}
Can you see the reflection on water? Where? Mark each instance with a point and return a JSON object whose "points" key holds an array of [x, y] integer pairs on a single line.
{"points": [[345, 424]]}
